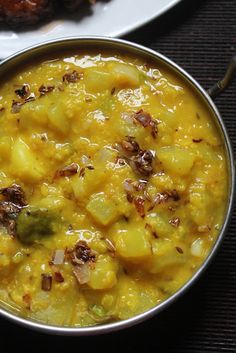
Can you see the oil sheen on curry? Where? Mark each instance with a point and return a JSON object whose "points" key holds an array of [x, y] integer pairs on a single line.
{"points": [[113, 185]]}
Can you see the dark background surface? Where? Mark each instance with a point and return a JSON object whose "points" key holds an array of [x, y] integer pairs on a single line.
{"points": [[199, 35]]}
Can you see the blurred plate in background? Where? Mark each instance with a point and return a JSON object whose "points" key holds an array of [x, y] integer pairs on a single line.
{"points": [[109, 18]]}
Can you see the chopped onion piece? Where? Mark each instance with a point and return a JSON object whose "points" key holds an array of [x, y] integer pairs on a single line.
{"points": [[128, 185], [85, 159], [58, 257], [197, 248], [82, 273], [127, 117]]}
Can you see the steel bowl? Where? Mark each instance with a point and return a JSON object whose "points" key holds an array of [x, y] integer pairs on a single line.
{"points": [[121, 46]]}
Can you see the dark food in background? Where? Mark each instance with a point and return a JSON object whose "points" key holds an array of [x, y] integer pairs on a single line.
{"points": [[25, 12], [30, 12], [71, 4]]}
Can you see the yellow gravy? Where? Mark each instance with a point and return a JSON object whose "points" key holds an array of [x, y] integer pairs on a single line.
{"points": [[113, 188]]}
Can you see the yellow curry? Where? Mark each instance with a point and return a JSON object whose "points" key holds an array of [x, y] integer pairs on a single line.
{"points": [[113, 185]]}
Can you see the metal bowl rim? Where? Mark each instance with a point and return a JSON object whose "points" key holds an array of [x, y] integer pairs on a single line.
{"points": [[110, 327]]}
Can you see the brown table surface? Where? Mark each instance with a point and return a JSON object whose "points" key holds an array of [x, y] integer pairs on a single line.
{"points": [[201, 37]]}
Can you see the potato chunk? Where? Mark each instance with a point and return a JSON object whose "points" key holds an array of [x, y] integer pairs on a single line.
{"points": [[200, 202], [34, 114], [103, 276], [164, 254], [175, 159], [133, 244], [5, 147], [128, 298], [125, 75], [98, 80], [58, 120], [26, 165], [103, 211], [160, 225]]}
